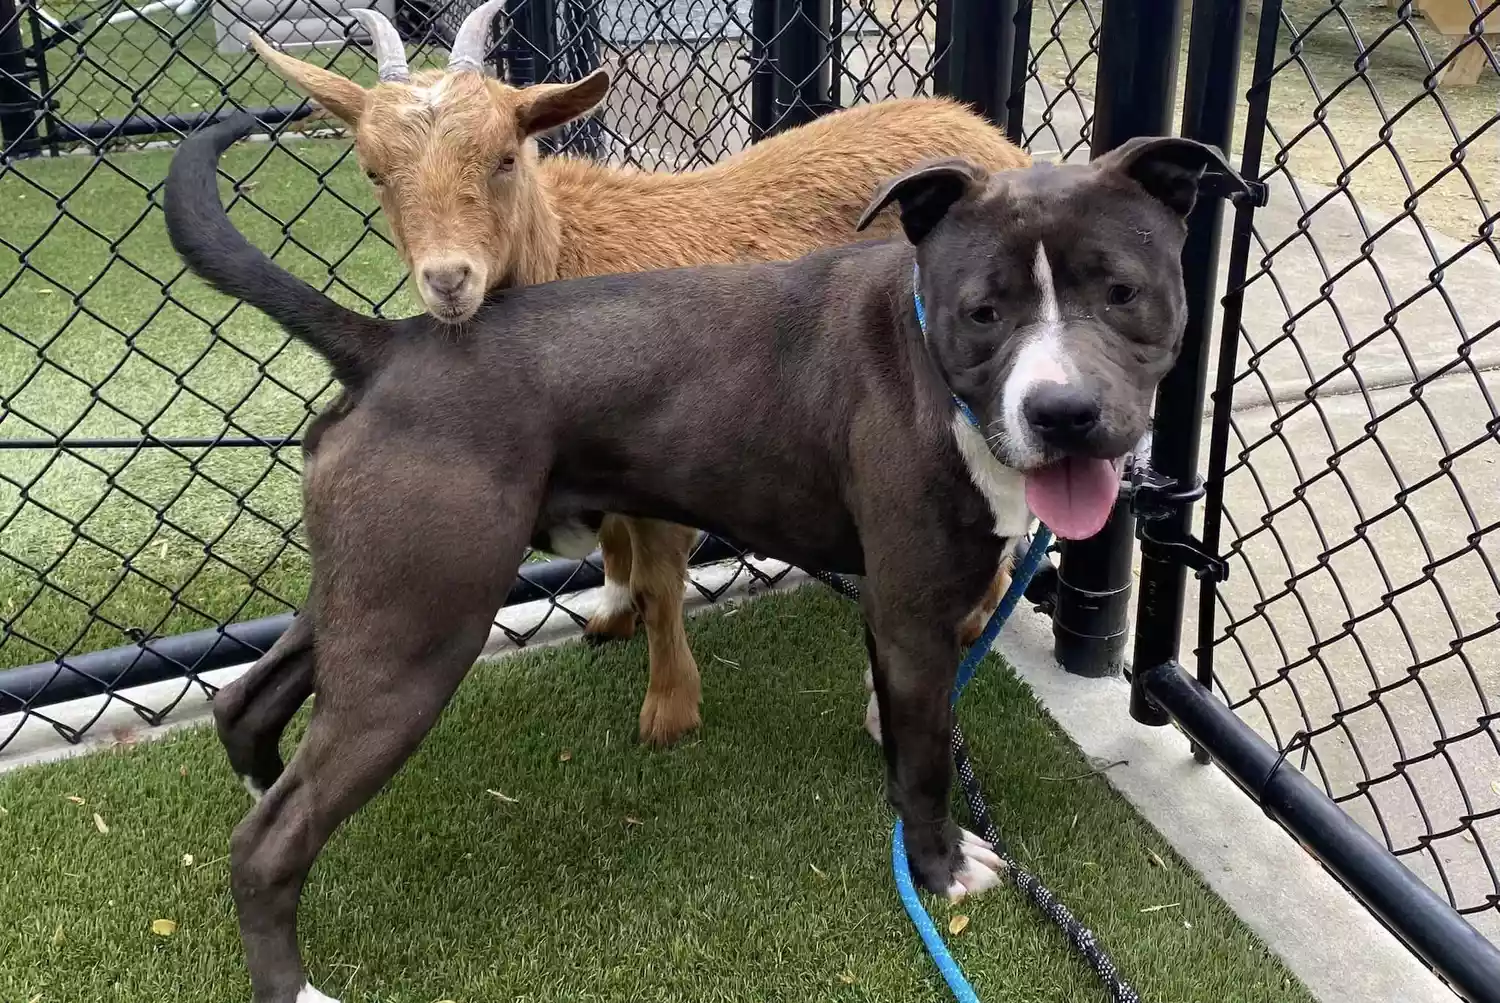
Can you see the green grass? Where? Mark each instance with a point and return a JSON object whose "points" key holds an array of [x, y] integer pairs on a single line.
{"points": [[90, 347], [751, 863]]}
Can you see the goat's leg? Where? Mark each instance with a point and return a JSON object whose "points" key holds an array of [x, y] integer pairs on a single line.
{"points": [[614, 618], [976, 621], [251, 712], [658, 575]]}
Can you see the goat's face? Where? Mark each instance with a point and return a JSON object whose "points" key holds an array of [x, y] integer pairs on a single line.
{"points": [[453, 157]]}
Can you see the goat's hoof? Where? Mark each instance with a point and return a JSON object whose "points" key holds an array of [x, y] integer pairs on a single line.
{"points": [[667, 717], [607, 627]]}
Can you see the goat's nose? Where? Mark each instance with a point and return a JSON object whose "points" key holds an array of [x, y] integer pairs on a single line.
{"points": [[445, 280], [1061, 415]]}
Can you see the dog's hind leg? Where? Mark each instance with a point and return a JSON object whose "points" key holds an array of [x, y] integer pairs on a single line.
{"points": [[408, 582], [251, 712], [614, 619], [379, 693], [658, 576]]}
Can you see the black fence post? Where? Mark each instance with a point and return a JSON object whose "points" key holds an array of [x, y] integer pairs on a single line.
{"points": [[19, 105], [803, 67], [1015, 102], [1136, 89], [762, 69], [1213, 64], [980, 49]]}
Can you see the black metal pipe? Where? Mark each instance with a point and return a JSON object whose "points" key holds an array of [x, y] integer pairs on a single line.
{"points": [[803, 67], [74, 677], [1136, 90], [1256, 116], [980, 51], [1015, 102], [1213, 67], [762, 69], [20, 106], [150, 124], [1428, 925], [153, 442]]}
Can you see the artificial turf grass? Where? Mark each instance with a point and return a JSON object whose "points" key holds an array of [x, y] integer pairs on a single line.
{"points": [[751, 863]]}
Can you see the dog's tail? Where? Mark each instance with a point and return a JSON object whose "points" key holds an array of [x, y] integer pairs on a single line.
{"points": [[218, 253]]}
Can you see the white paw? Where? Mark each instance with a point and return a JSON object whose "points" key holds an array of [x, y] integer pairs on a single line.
{"points": [[250, 785], [981, 870], [310, 995], [614, 598], [872, 719]]}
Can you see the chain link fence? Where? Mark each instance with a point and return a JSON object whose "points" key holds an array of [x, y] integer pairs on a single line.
{"points": [[1356, 429], [149, 459]]}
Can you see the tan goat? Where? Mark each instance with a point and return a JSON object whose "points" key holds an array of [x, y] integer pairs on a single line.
{"points": [[472, 207]]}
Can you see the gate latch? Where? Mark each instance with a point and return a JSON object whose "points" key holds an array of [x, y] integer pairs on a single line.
{"points": [[1155, 497]]}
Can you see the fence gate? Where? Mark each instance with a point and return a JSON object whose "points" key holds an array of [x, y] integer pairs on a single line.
{"points": [[1348, 607]]}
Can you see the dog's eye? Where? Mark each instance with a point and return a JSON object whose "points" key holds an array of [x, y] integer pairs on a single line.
{"points": [[1119, 294], [984, 315], [506, 164]]}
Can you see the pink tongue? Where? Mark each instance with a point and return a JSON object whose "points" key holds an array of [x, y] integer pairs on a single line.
{"points": [[1073, 497]]}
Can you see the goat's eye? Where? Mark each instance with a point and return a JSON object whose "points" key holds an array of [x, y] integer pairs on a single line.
{"points": [[984, 315], [374, 177], [506, 164], [1120, 294]]}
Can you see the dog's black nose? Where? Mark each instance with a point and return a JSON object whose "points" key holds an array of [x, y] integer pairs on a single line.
{"points": [[1062, 416], [445, 280]]}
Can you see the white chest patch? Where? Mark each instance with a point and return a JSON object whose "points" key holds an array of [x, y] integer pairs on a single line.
{"points": [[1002, 487]]}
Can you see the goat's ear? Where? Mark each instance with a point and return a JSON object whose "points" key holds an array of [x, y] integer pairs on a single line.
{"points": [[1170, 168], [549, 106], [925, 194], [340, 95]]}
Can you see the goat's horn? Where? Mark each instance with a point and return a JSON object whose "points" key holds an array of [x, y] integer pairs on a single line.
{"points": [[468, 43], [390, 53]]}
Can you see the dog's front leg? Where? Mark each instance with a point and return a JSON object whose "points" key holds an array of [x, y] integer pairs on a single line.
{"points": [[915, 663]]}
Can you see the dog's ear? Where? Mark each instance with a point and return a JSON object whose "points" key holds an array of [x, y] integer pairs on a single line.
{"points": [[1170, 168], [925, 194]]}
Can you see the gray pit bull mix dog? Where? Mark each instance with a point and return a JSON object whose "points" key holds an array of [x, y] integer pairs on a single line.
{"points": [[796, 408]]}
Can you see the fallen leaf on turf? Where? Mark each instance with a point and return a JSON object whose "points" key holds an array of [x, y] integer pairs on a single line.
{"points": [[1159, 908], [38, 997], [632, 820], [847, 978], [76, 800], [163, 927], [502, 797], [59, 938], [567, 754], [1156, 859], [99, 824], [958, 924], [182, 771], [187, 860], [816, 871]]}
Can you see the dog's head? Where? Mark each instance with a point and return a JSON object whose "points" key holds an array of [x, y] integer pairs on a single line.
{"points": [[1055, 305]]}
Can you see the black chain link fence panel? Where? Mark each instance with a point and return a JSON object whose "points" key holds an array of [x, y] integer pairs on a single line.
{"points": [[1360, 628], [149, 466]]}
